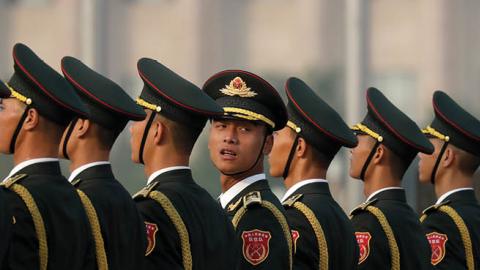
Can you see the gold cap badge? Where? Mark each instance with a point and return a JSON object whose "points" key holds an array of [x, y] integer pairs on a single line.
{"points": [[238, 87]]}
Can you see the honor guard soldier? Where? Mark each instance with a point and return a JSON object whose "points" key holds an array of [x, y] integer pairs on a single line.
{"points": [[238, 142], [452, 224], [50, 226], [323, 236], [117, 226], [388, 231], [186, 228]]}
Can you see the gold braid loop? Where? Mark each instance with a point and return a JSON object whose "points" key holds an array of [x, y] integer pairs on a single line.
{"points": [[280, 218], [37, 222], [17, 95], [101, 255], [431, 131], [387, 229], [249, 115], [462, 227], [368, 131], [320, 235], [177, 221]]}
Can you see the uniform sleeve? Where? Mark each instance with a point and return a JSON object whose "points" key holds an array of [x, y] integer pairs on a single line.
{"points": [[304, 240], [163, 243], [6, 221], [262, 242], [372, 242], [445, 241]]}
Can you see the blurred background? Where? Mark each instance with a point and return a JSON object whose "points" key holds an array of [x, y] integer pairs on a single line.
{"points": [[408, 49]]}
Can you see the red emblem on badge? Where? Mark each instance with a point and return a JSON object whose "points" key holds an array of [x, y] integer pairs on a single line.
{"points": [[255, 246], [151, 229], [295, 236], [437, 243], [363, 241]]}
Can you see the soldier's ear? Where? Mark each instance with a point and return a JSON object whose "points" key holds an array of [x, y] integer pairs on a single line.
{"points": [[302, 146], [379, 154], [32, 119], [82, 127], [448, 157], [158, 132]]}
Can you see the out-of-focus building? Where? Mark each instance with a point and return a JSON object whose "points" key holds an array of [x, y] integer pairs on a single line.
{"points": [[408, 50]]}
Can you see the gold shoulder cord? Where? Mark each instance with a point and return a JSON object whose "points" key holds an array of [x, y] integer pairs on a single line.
{"points": [[280, 218], [392, 243], [462, 228], [317, 229], [100, 253], [37, 220], [177, 221]]}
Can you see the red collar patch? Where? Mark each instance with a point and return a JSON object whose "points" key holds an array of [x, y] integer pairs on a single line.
{"points": [[363, 241], [437, 242], [151, 229], [255, 246]]}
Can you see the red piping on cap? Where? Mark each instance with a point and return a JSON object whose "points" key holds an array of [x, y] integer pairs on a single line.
{"points": [[173, 100], [88, 93], [43, 88], [310, 120]]}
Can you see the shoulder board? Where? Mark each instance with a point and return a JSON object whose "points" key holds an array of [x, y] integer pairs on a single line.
{"points": [[291, 200], [362, 207], [252, 198], [14, 179], [434, 207], [144, 192], [76, 182], [233, 206]]}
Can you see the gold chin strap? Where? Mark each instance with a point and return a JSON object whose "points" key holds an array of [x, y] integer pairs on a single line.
{"points": [[368, 131], [431, 131], [293, 126], [249, 115], [147, 105], [17, 95]]}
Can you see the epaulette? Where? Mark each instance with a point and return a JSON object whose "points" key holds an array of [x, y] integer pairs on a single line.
{"points": [[291, 200], [234, 206], [12, 180], [252, 198], [434, 207], [76, 182], [362, 207], [144, 192]]}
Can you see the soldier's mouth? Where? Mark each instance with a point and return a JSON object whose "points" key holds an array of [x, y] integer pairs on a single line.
{"points": [[228, 154]]}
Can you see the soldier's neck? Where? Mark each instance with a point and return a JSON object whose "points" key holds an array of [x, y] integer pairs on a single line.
{"points": [[86, 154], [447, 180], [29, 148], [160, 159], [227, 181], [379, 178], [304, 169]]}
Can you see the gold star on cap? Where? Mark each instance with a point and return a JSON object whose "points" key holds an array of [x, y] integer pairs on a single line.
{"points": [[238, 87]]}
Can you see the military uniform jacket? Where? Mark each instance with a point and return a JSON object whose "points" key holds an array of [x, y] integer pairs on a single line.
{"points": [[187, 218], [262, 232], [444, 232], [323, 235], [68, 237], [122, 226], [403, 246], [6, 221]]}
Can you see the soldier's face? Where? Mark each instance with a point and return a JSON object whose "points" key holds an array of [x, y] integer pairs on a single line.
{"points": [[11, 111], [234, 145], [360, 154], [427, 162], [282, 144]]}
